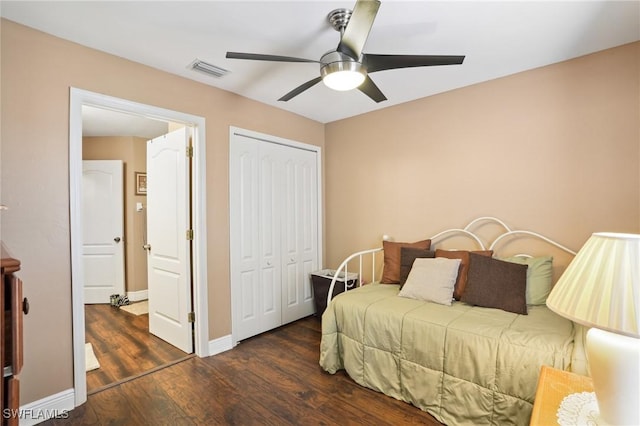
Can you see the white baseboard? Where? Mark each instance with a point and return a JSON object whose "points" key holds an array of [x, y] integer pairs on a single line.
{"points": [[36, 412], [221, 344], [136, 296]]}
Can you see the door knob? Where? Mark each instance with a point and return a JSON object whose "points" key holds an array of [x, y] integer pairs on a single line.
{"points": [[147, 247], [116, 239]]}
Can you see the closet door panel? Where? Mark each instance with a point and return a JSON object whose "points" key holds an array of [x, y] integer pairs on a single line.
{"points": [[251, 277], [300, 229], [269, 233], [248, 284], [309, 209], [290, 290], [245, 272], [248, 218]]}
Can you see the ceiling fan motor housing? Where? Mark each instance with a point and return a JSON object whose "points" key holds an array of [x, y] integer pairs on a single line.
{"points": [[336, 63]]}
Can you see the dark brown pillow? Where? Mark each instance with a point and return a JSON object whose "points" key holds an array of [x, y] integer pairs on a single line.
{"points": [[494, 283], [463, 255], [407, 256], [391, 269]]}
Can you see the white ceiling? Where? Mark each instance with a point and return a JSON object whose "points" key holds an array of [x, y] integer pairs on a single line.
{"points": [[103, 122], [498, 39]]}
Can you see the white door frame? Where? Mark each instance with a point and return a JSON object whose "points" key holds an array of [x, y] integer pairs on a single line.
{"points": [[78, 98], [233, 131]]}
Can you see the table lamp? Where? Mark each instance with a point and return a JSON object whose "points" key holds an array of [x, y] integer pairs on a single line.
{"points": [[601, 289]]}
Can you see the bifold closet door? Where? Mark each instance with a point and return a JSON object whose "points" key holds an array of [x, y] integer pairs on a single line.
{"points": [[274, 234]]}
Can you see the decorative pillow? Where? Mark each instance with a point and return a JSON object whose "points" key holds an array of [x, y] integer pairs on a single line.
{"points": [[391, 269], [431, 280], [463, 255], [407, 256], [539, 277], [494, 283]]}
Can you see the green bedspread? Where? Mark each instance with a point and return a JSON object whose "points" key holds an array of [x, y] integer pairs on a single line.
{"points": [[462, 364]]}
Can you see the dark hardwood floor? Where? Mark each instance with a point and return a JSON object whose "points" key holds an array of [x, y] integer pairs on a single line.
{"points": [[271, 379], [123, 346]]}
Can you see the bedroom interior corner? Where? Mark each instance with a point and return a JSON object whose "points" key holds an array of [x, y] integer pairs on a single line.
{"points": [[553, 149]]}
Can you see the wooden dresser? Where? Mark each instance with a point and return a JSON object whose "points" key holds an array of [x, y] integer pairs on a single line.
{"points": [[14, 307]]}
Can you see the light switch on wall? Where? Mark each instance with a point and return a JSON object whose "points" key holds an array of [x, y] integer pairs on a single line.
{"points": [[139, 207]]}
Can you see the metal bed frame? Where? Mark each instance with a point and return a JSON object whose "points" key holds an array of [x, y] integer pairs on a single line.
{"points": [[342, 270]]}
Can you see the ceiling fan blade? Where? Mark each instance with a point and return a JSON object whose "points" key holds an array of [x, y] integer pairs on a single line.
{"points": [[300, 89], [370, 89], [260, 57], [387, 62], [358, 28]]}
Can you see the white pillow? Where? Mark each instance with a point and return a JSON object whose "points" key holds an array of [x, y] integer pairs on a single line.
{"points": [[432, 280]]}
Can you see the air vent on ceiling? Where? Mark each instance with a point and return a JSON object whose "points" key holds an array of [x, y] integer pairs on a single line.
{"points": [[207, 68]]}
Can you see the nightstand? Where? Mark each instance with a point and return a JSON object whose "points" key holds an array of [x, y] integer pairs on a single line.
{"points": [[553, 386]]}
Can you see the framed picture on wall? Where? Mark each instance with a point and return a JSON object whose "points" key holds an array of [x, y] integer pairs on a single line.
{"points": [[141, 183]]}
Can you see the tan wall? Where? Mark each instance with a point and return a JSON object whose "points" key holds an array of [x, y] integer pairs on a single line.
{"points": [[555, 150], [132, 151], [37, 71]]}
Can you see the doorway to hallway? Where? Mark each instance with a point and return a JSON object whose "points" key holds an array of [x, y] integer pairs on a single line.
{"points": [[80, 98]]}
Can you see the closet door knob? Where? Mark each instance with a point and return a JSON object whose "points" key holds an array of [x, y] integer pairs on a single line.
{"points": [[25, 306], [116, 239]]}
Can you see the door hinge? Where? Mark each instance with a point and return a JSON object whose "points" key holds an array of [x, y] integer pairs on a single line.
{"points": [[189, 234], [189, 151], [192, 317]]}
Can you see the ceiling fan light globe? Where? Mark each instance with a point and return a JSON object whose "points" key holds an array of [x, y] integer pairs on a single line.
{"points": [[343, 76]]}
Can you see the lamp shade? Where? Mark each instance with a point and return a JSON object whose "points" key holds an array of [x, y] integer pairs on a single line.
{"points": [[601, 286]]}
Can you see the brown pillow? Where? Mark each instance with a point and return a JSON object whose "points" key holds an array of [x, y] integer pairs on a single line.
{"points": [[407, 256], [494, 283], [391, 269], [463, 255]]}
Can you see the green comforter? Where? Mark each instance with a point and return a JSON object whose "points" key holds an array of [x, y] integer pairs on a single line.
{"points": [[462, 364]]}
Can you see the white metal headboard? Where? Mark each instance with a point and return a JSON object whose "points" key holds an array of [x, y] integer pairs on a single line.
{"points": [[442, 235], [508, 232]]}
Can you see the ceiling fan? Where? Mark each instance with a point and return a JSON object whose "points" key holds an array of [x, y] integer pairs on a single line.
{"points": [[347, 67]]}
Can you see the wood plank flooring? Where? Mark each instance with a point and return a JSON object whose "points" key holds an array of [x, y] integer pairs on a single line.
{"points": [[271, 379], [123, 346]]}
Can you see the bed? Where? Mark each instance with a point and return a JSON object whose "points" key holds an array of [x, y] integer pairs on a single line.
{"points": [[459, 360]]}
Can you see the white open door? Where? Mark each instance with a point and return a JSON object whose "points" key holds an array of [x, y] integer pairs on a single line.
{"points": [[103, 230], [168, 226]]}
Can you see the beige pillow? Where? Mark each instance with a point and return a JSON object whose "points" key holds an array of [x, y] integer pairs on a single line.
{"points": [[391, 270], [407, 256], [431, 280]]}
